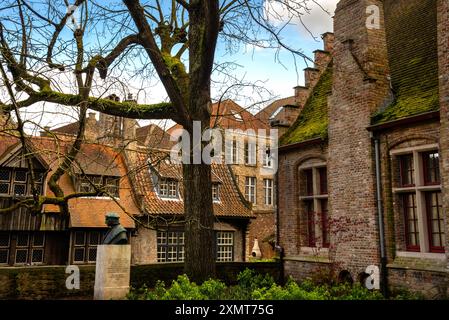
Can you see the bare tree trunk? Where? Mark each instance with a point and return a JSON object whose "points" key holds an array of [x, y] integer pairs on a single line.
{"points": [[200, 238], [199, 233]]}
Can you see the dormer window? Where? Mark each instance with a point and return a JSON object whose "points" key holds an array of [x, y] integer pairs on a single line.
{"points": [[109, 185], [215, 192], [275, 114], [17, 182], [168, 188], [237, 115]]}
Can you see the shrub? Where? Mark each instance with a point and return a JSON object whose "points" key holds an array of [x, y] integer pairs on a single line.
{"points": [[259, 287]]}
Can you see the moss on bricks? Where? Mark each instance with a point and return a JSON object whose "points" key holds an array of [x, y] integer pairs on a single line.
{"points": [[413, 56], [313, 120]]}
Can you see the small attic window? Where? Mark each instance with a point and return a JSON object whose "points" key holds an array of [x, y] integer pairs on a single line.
{"points": [[237, 115], [275, 114], [215, 192], [168, 188]]}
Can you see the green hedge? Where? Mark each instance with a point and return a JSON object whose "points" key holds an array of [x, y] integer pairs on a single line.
{"points": [[254, 286], [48, 282]]}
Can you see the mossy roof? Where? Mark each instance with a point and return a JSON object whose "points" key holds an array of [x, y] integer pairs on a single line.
{"points": [[313, 120], [411, 28]]}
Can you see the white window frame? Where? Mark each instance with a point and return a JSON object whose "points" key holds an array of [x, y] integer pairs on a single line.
{"points": [[251, 153], [268, 191], [216, 192], [251, 189], [225, 246]]}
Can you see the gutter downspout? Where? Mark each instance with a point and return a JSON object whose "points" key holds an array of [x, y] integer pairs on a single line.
{"points": [[383, 256], [278, 237]]}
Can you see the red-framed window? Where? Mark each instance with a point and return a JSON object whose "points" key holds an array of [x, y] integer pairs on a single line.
{"points": [[310, 223], [431, 168], [411, 221], [435, 222], [323, 180], [407, 171], [308, 176], [325, 223]]}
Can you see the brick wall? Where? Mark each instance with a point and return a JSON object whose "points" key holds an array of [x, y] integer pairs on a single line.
{"points": [[351, 167], [443, 54], [432, 284], [263, 225], [49, 282], [416, 135], [262, 228], [290, 224]]}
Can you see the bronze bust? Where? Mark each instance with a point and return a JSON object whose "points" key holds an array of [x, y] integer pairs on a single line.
{"points": [[116, 233]]}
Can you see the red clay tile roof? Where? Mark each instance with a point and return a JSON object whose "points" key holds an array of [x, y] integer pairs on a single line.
{"points": [[71, 128], [97, 159], [153, 136], [265, 114], [231, 204], [227, 115], [84, 212]]}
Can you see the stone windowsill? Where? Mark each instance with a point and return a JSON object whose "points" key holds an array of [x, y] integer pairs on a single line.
{"points": [[421, 255], [308, 254], [314, 259], [420, 261]]}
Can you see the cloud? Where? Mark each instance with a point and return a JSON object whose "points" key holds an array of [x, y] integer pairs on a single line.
{"points": [[314, 19]]}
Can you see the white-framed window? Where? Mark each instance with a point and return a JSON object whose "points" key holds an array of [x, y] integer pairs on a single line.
{"points": [[170, 246], [268, 191], [250, 153], [225, 246], [250, 189], [237, 115], [267, 157], [215, 192], [314, 204], [232, 150], [168, 188], [417, 188], [108, 185]]}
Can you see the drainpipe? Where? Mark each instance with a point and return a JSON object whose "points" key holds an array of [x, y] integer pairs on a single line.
{"points": [[383, 255], [278, 238]]}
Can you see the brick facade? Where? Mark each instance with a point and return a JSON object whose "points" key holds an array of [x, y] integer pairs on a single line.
{"points": [[357, 93], [372, 72], [443, 53]]}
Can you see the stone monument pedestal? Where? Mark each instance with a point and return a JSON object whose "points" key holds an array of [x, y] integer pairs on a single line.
{"points": [[112, 272]]}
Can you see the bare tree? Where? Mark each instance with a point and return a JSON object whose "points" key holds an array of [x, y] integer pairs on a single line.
{"points": [[176, 40]]}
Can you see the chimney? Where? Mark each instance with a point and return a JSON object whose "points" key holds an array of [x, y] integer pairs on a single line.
{"points": [[91, 132], [45, 132], [6, 122], [322, 59], [109, 126], [328, 41], [301, 95], [350, 107], [311, 76], [130, 127], [280, 126]]}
